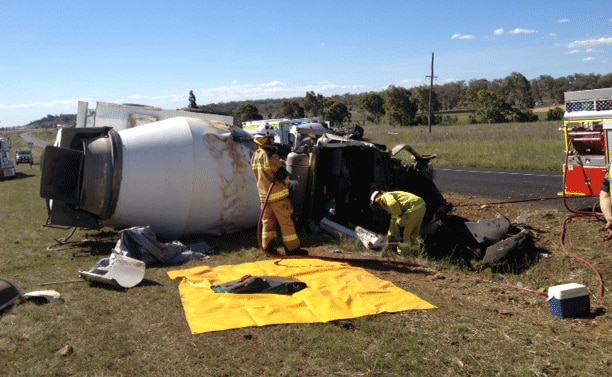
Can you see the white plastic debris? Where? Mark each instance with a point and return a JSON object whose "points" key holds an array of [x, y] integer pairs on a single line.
{"points": [[489, 231], [369, 239], [50, 296], [118, 270]]}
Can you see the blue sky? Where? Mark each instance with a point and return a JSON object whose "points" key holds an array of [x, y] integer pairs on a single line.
{"points": [[56, 53]]}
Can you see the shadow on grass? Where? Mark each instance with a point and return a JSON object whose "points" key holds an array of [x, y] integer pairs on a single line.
{"points": [[452, 244], [18, 176], [110, 287]]}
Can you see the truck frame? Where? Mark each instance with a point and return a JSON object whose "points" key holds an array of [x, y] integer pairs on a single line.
{"points": [[186, 176]]}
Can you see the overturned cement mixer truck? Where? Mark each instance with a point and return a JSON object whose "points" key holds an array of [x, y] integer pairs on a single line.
{"points": [[184, 175]]}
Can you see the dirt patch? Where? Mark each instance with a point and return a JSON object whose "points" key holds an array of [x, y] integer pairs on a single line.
{"points": [[564, 247], [499, 314]]}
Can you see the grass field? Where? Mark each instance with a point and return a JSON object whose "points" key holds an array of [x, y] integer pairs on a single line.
{"points": [[483, 325], [511, 146]]}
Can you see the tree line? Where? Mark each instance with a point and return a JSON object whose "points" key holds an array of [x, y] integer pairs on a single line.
{"points": [[511, 99]]}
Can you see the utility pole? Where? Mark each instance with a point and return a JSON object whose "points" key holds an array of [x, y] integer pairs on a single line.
{"points": [[431, 79]]}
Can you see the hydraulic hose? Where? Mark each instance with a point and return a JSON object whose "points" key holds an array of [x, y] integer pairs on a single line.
{"points": [[410, 264], [568, 219], [577, 257], [579, 215]]}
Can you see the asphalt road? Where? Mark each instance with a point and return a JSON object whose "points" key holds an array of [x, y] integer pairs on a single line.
{"points": [[31, 139], [499, 184], [534, 187]]}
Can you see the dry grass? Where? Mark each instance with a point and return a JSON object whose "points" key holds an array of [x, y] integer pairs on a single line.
{"points": [[483, 326], [512, 146]]}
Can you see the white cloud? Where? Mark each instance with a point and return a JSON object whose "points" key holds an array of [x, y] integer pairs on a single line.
{"points": [[272, 89], [522, 31], [573, 51], [588, 59], [498, 32], [43, 105], [587, 43], [552, 35], [411, 83], [14, 114], [465, 37], [563, 20]]}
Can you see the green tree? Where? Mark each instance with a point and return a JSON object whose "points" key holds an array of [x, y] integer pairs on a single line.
{"points": [[374, 104], [605, 81], [314, 104], [291, 109], [398, 107], [192, 100], [451, 94], [543, 88], [246, 112], [474, 86], [555, 114], [490, 107], [584, 82], [336, 113], [420, 96], [525, 115], [562, 85], [516, 90]]}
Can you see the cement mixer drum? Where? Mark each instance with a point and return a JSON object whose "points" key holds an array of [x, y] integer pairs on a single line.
{"points": [[180, 176]]}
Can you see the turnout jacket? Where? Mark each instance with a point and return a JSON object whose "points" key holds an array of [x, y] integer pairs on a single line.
{"points": [[268, 168], [399, 203]]}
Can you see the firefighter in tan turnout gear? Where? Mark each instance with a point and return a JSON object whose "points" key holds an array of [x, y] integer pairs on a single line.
{"points": [[270, 170]]}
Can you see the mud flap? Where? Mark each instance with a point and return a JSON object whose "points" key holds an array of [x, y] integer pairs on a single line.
{"points": [[493, 233], [489, 231], [500, 249]]}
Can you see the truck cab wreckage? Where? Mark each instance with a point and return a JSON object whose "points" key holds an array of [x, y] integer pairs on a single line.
{"points": [[186, 174]]}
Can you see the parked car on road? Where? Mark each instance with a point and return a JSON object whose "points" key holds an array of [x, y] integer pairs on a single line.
{"points": [[24, 157]]}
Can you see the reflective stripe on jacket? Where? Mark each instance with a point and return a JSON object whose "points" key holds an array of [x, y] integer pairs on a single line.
{"points": [[268, 168]]}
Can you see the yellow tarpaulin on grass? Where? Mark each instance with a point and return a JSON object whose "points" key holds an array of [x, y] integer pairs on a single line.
{"points": [[335, 291]]}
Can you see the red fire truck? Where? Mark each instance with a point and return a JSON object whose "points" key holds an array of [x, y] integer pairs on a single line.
{"points": [[587, 128]]}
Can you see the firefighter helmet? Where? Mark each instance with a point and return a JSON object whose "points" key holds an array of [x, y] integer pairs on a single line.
{"points": [[373, 197], [265, 130]]}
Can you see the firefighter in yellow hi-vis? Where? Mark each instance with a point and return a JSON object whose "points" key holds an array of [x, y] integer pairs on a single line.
{"points": [[277, 211], [407, 211]]}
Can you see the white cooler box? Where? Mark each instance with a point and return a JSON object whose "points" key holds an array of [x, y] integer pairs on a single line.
{"points": [[569, 300]]}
